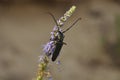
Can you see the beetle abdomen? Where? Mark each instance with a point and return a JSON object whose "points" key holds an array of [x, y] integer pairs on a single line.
{"points": [[57, 50]]}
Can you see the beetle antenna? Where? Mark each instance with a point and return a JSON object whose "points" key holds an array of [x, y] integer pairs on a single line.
{"points": [[71, 25], [53, 18]]}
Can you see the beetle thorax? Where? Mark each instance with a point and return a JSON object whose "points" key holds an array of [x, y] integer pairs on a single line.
{"points": [[60, 36]]}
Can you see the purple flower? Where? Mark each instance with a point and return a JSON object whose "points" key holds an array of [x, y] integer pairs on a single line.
{"points": [[56, 28], [50, 78], [41, 58], [49, 48]]}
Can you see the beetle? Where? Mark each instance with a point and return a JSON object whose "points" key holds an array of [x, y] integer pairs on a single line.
{"points": [[54, 46], [58, 43]]}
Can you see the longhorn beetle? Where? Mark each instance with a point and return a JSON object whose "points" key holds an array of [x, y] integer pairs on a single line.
{"points": [[53, 47]]}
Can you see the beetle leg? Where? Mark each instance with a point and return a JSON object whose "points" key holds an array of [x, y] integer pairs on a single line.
{"points": [[64, 43]]}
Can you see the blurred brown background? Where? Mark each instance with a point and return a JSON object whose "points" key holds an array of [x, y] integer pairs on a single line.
{"points": [[93, 45]]}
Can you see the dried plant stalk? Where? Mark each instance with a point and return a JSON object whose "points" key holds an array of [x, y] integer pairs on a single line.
{"points": [[49, 47]]}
